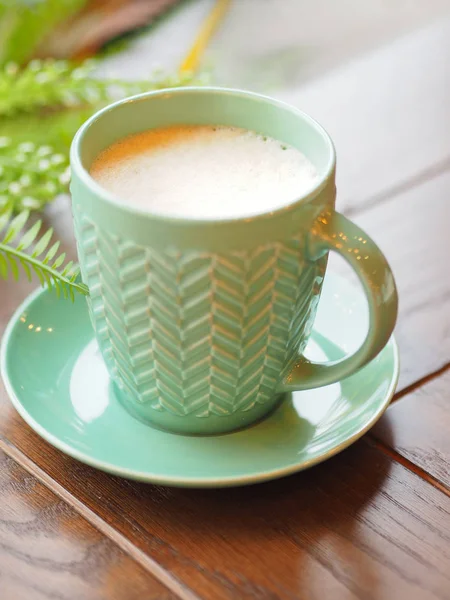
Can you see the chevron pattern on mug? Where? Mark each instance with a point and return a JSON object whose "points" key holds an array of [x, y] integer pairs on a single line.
{"points": [[195, 332]]}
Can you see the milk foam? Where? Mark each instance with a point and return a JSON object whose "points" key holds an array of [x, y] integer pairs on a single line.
{"points": [[204, 172]]}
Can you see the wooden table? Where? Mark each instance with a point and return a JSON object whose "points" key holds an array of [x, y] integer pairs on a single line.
{"points": [[372, 523]]}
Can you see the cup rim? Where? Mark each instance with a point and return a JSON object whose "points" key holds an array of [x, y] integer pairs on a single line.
{"points": [[118, 203]]}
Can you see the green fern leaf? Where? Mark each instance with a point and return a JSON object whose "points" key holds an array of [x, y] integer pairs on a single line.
{"points": [[39, 274], [30, 236], [15, 227], [64, 291], [42, 243], [59, 261], [56, 286], [75, 274], [62, 278], [3, 267], [26, 268], [14, 268], [4, 219], [67, 269], [49, 282], [51, 253]]}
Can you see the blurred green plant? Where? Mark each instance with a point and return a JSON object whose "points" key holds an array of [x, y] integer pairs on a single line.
{"points": [[58, 84], [30, 175], [25, 23]]}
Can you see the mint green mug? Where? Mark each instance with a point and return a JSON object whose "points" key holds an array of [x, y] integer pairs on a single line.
{"points": [[202, 323]]}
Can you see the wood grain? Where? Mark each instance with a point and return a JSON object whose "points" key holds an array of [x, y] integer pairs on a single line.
{"points": [[358, 526], [361, 525], [267, 45], [48, 551], [411, 229], [387, 112], [299, 536], [418, 428]]}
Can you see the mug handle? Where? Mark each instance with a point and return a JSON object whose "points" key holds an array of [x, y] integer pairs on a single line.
{"points": [[333, 231]]}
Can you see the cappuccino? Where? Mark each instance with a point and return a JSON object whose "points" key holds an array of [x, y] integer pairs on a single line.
{"points": [[204, 172]]}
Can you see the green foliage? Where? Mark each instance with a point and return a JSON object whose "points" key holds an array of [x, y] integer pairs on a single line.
{"points": [[49, 84], [30, 176], [43, 260], [55, 128], [25, 23], [58, 84], [41, 108]]}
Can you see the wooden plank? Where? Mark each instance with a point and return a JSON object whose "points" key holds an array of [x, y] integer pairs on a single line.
{"points": [[48, 551], [411, 229], [387, 112], [274, 45], [417, 427], [359, 526]]}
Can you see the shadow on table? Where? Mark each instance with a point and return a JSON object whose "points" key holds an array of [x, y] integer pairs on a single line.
{"points": [[311, 531], [295, 532]]}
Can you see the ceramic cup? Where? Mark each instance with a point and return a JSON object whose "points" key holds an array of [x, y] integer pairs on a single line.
{"points": [[202, 323]]}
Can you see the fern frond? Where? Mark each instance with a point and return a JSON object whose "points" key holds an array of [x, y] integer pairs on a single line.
{"points": [[50, 270], [30, 175], [60, 84]]}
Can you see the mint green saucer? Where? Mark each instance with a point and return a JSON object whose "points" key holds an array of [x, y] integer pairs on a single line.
{"points": [[57, 381]]}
